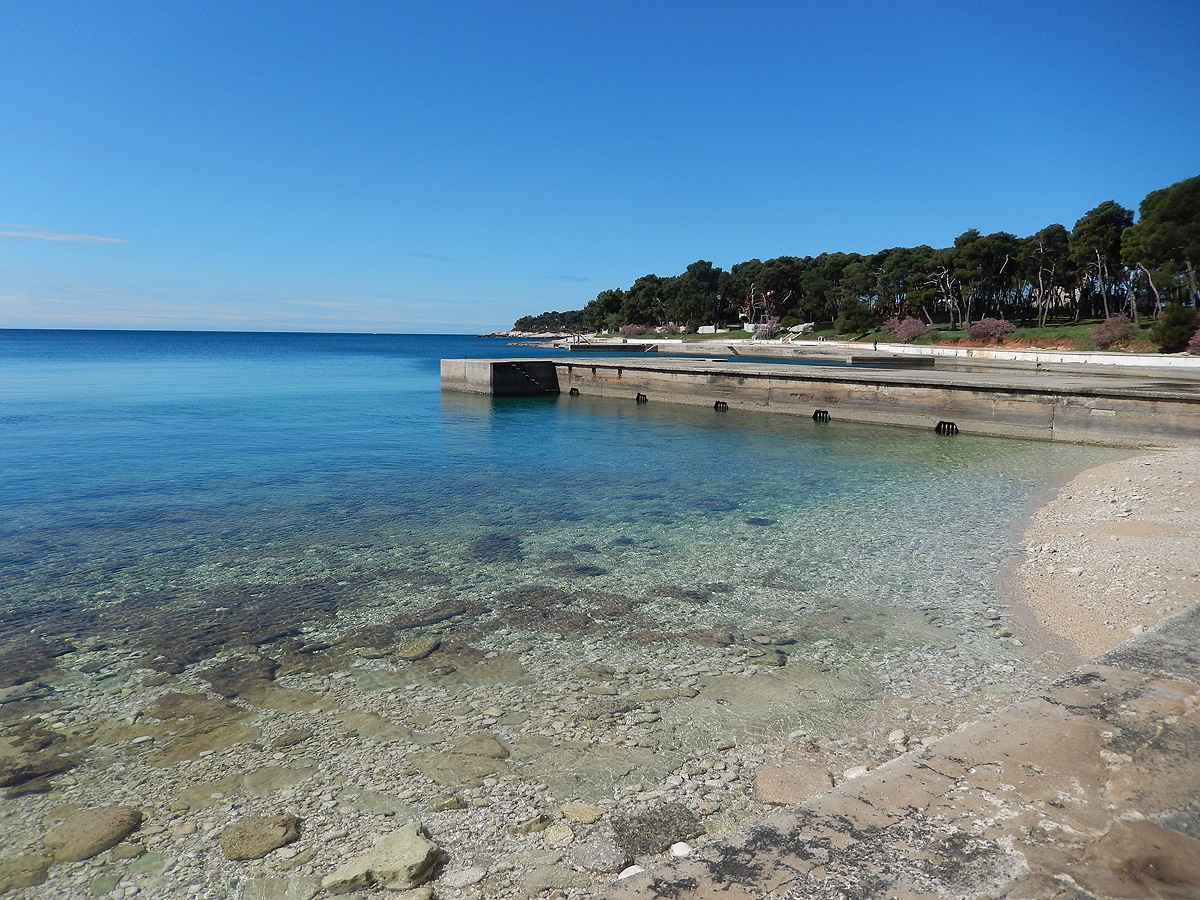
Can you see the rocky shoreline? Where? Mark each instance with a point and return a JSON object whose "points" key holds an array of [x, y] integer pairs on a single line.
{"points": [[536, 762]]}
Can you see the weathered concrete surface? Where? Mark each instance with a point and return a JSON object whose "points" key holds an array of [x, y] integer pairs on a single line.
{"points": [[1089, 791], [500, 377], [1112, 408]]}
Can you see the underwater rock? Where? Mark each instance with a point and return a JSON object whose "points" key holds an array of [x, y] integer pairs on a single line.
{"points": [[402, 860], [483, 745], [253, 837], [89, 832], [656, 829], [419, 648]]}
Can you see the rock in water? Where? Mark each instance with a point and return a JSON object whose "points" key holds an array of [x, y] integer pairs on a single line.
{"points": [[399, 861], [92, 831], [419, 648], [656, 829], [484, 745], [255, 836]]}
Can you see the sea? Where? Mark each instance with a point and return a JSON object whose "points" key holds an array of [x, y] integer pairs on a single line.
{"points": [[142, 468], [246, 573]]}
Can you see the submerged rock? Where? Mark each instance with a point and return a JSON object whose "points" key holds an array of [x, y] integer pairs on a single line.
{"points": [[657, 829], [255, 836], [400, 861], [89, 832]]}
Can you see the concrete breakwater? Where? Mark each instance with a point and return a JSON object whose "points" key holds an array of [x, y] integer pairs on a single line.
{"points": [[1124, 408]]}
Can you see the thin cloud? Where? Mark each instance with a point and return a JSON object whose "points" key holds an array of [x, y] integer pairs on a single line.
{"points": [[38, 234], [434, 256], [574, 279]]}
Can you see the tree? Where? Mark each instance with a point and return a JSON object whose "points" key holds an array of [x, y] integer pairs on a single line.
{"points": [[604, 312], [1096, 246], [1045, 263], [1165, 243]]}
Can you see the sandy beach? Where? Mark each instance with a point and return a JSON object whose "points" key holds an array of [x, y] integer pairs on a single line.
{"points": [[1114, 552]]}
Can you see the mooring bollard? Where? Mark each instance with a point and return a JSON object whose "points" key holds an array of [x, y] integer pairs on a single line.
{"points": [[821, 415], [721, 406], [641, 398], [574, 392], [946, 428]]}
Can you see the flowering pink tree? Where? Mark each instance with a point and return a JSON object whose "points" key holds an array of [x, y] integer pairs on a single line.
{"points": [[905, 330], [991, 329]]}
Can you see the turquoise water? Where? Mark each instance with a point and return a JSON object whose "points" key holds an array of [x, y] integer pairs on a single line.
{"points": [[286, 476]]}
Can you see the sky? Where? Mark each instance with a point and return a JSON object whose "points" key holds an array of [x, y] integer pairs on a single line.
{"points": [[448, 167]]}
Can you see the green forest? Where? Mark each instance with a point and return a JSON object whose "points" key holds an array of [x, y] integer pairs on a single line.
{"points": [[1105, 266]]}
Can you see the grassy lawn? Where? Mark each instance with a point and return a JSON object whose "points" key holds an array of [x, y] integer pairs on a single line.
{"points": [[1065, 336]]}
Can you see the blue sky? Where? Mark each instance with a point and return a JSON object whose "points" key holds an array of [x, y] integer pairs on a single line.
{"points": [[393, 166]]}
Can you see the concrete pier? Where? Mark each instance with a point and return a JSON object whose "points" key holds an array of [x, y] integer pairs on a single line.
{"points": [[1124, 408], [500, 377], [1115, 407]]}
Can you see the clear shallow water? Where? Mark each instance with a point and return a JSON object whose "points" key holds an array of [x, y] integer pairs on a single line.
{"points": [[140, 470]]}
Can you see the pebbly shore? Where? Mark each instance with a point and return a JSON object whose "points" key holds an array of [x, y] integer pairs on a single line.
{"points": [[521, 762]]}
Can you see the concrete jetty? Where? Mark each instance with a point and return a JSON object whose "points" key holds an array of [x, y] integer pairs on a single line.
{"points": [[1107, 405]]}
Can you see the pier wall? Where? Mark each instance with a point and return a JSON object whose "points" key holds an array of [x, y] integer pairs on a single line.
{"points": [[1040, 411], [500, 377]]}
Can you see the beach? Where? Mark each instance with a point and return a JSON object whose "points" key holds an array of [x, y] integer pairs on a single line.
{"points": [[1114, 552]]}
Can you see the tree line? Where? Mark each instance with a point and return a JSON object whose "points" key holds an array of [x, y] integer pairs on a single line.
{"points": [[1104, 266]]}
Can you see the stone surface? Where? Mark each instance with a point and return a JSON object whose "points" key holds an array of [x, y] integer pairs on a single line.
{"points": [[585, 813], [656, 829], [418, 649], [400, 861], [547, 878], [784, 784], [484, 745], [88, 832], [253, 837], [600, 854], [23, 871], [297, 888], [1091, 789]]}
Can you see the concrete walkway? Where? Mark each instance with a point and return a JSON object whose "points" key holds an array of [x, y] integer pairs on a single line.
{"points": [[1088, 791]]}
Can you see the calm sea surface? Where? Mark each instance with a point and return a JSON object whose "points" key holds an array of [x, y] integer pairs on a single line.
{"points": [[140, 470]]}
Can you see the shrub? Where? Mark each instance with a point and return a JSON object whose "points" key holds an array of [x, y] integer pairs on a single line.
{"points": [[1112, 331], [1173, 330], [1193, 346], [631, 330], [991, 329], [905, 330], [669, 328]]}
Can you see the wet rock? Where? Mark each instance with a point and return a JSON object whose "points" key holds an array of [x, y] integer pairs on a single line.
{"points": [[241, 676], [149, 863], [656, 829], [296, 888], [463, 878], [496, 548], [584, 813], [418, 648], [600, 854], [23, 871], [253, 837], [484, 745], [548, 878], [23, 767], [558, 835], [789, 783], [89, 832], [402, 860], [276, 778]]}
